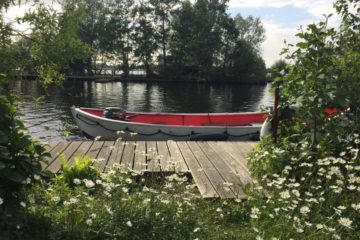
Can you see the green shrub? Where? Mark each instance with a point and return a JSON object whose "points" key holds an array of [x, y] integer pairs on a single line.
{"points": [[20, 156], [81, 170], [124, 206]]}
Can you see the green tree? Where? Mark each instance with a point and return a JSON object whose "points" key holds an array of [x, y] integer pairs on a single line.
{"points": [[20, 156], [92, 32], [119, 30], [144, 36], [206, 34], [250, 29], [163, 10], [278, 69], [182, 27], [55, 41]]}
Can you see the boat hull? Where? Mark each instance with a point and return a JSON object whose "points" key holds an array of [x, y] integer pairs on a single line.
{"points": [[109, 129]]}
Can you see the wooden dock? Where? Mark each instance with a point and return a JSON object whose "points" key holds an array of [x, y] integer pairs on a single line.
{"points": [[219, 169]]}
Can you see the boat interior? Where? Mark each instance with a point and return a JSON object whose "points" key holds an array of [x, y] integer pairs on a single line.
{"points": [[181, 119]]}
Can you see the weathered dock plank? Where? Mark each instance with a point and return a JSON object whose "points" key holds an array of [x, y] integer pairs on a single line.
{"points": [[104, 155], [219, 169], [232, 181], [140, 157], [214, 176], [127, 160], [177, 158], [152, 160], [202, 181]]}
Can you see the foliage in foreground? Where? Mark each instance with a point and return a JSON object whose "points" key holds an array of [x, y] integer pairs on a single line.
{"points": [[311, 171], [312, 193], [20, 156], [118, 205]]}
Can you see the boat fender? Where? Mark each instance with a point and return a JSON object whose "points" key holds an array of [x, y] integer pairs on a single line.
{"points": [[114, 113], [265, 128]]}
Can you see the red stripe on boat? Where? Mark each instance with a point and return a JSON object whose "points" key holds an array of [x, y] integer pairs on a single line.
{"points": [[236, 119]]}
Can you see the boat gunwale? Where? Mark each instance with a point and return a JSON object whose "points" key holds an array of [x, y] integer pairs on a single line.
{"points": [[255, 124]]}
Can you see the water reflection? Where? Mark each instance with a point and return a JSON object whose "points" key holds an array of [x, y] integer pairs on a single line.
{"points": [[47, 120]]}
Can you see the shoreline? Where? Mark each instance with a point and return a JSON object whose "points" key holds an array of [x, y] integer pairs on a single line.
{"points": [[141, 79]]}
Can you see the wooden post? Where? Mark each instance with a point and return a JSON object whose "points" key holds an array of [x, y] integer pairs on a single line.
{"points": [[274, 125]]}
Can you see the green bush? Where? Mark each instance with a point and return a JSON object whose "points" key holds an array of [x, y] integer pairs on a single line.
{"points": [[310, 174], [81, 169], [20, 155], [126, 206]]}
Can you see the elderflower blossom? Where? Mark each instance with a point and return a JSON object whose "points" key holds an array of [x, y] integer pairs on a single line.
{"points": [[354, 206], [346, 222], [285, 194], [319, 226], [89, 183], [304, 210], [76, 181], [129, 224], [89, 222]]}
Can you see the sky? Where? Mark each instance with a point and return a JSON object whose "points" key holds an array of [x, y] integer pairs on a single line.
{"points": [[281, 19]]}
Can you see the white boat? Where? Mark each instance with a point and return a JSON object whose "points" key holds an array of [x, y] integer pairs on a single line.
{"points": [[112, 123]]}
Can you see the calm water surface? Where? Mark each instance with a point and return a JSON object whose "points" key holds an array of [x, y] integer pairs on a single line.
{"points": [[50, 118]]}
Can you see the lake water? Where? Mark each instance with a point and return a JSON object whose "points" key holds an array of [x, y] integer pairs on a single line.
{"points": [[49, 119]]}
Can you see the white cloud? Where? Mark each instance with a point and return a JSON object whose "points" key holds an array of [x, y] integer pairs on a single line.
{"points": [[18, 11], [274, 43], [314, 7]]}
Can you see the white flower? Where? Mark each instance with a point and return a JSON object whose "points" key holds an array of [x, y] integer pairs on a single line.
{"points": [[129, 224], [93, 215], [285, 194], [73, 200], [89, 222], [295, 192], [98, 182], [1, 201], [108, 209], [255, 210], [28, 180], [196, 229], [354, 206], [165, 201], [128, 180], [76, 181], [219, 210], [345, 222], [55, 199], [36, 177], [23, 204], [259, 238], [125, 190], [319, 226], [304, 210], [89, 183]]}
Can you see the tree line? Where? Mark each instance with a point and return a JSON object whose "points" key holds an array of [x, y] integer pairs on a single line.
{"points": [[169, 39]]}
